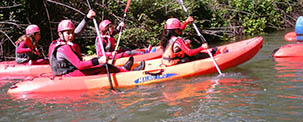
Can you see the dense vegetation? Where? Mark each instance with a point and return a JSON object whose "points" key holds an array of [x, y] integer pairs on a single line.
{"points": [[217, 19]]}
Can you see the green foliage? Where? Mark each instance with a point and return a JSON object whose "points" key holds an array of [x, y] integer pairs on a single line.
{"points": [[91, 49], [254, 16], [146, 18]]}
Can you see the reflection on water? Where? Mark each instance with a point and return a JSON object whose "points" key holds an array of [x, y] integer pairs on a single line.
{"points": [[289, 65], [292, 69], [172, 99], [211, 96], [203, 89]]}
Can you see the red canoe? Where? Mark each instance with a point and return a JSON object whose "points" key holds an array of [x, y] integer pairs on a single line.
{"points": [[289, 50], [235, 54], [12, 70], [291, 36]]}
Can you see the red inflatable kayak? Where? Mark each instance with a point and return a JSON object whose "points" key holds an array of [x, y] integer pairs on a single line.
{"points": [[291, 36], [234, 54], [289, 50], [12, 70]]}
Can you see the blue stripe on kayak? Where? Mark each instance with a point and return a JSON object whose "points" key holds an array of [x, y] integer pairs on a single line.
{"points": [[148, 78]]}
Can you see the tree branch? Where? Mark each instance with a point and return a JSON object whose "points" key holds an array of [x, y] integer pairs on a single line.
{"points": [[66, 6], [50, 28], [1, 51], [8, 37], [6, 7], [11, 23]]}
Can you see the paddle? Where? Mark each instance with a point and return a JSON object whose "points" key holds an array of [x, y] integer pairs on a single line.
{"points": [[200, 35], [102, 48], [120, 33]]}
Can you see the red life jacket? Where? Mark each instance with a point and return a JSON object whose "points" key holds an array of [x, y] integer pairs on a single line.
{"points": [[108, 44], [61, 67], [25, 57], [54, 43], [170, 57]]}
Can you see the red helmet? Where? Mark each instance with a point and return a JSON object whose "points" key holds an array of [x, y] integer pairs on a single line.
{"points": [[32, 29], [65, 25], [104, 24], [172, 23]]}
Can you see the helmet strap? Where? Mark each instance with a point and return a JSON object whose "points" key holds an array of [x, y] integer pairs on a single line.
{"points": [[62, 36], [32, 39], [107, 31]]}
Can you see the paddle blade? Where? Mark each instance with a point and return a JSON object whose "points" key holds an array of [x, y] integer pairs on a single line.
{"points": [[127, 5], [88, 3], [182, 5], [180, 2]]}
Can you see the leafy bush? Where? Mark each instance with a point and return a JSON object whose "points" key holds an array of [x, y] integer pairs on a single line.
{"points": [[217, 19]]}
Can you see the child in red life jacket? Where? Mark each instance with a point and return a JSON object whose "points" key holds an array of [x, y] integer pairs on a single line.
{"points": [[175, 48], [79, 29], [66, 59], [107, 35], [27, 50]]}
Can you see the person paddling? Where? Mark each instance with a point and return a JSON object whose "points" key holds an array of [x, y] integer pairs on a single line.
{"points": [[175, 48], [27, 49], [79, 29], [66, 59], [107, 35]]}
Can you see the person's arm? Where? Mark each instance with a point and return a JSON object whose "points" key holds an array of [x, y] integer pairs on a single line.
{"points": [[76, 48], [183, 26], [79, 29], [186, 49], [119, 27], [22, 49], [188, 20], [116, 31]]}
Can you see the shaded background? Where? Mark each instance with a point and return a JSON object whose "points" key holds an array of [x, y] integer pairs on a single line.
{"points": [[218, 20]]}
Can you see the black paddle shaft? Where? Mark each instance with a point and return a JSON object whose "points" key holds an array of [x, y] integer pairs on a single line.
{"points": [[102, 48]]}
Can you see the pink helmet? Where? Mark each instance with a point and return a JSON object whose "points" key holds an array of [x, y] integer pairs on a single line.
{"points": [[104, 24], [65, 25], [32, 29], [172, 23]]}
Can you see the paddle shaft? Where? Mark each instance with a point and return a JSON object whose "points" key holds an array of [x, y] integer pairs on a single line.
{"points": [[102, 48], [201, 37], [120, 33]]}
